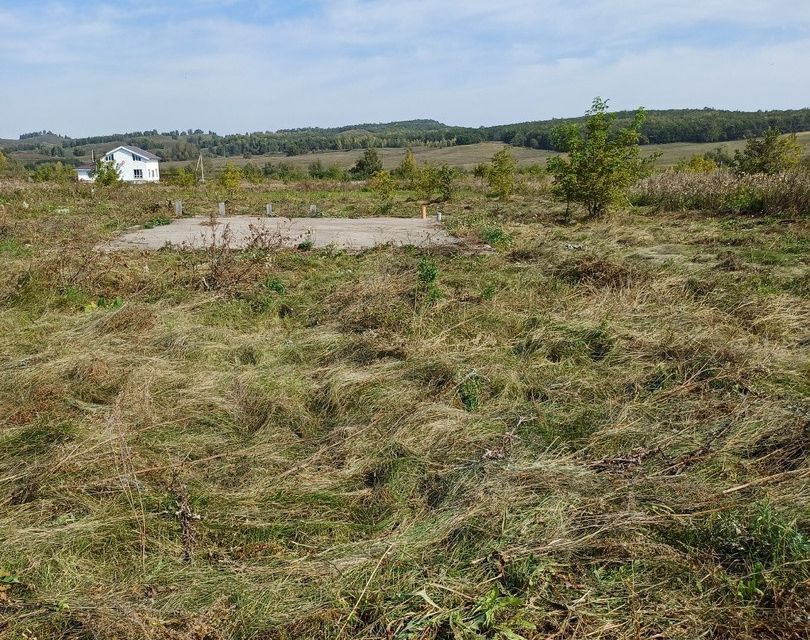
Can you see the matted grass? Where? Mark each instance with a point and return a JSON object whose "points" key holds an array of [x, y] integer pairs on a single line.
{"points": [[598, 430]]}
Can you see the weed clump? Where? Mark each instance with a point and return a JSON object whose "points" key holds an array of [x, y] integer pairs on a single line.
{"points": [[594, 271], [427, 291]]}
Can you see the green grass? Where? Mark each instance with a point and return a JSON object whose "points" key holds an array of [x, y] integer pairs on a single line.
{"points": [[595, 430]]}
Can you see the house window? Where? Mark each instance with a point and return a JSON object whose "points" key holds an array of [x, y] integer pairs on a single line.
{"points": [[138, 174], [137, 158]]}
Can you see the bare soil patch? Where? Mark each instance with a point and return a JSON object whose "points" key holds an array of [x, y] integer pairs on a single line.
{"points": [[344, 233]]}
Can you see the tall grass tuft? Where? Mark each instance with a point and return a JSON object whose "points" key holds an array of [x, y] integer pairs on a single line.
{"points": [[724, 192]]}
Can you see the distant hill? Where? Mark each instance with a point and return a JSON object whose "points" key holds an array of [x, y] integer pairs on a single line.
{"points": [[661, 127]]}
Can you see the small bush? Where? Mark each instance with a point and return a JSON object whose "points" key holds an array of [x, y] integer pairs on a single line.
{"points": [[252, 173], [275, 285], [367, 165], [383, 186], [53, 172], [697, 164], [106, 173], [446, 182], [501, 174], [495, 237], [427, 274], [230, 179], [182, 177]]}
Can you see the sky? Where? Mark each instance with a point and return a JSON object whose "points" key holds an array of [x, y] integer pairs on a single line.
{"points": [[89, 67]]}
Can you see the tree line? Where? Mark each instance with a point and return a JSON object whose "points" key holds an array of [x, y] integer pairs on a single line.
{"points": [[659, 127]]}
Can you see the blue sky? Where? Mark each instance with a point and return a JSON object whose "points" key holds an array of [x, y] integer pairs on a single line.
{"points": [[91, 67]]}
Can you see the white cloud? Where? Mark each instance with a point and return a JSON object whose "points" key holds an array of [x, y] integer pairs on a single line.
{"points": [[233, 67]]}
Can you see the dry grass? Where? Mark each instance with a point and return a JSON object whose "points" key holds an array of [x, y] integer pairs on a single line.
{"points": [[572, 439], [723, 192]]}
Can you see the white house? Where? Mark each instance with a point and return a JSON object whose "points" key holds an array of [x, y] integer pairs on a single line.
{"points": [[134, 165]]}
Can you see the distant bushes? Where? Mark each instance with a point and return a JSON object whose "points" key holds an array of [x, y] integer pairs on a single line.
{"points": [[53, 172], [723, 191]]}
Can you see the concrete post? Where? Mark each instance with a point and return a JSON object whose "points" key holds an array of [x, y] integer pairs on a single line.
{"points": [[439, 216], [313, 209], [424, 212], [269, 210], [222, 208], [178, 208]]}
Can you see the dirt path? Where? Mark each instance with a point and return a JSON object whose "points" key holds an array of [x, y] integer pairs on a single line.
{"points": [[345, 233]]}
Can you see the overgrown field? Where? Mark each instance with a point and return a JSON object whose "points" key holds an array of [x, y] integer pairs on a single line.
{"points": [[467, 156], [600, 429]]}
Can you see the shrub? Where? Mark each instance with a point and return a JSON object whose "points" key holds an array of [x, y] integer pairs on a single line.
{"points": [[771, 153], [697, 164], [601, 165], [182, 177], [252, 173], [427, 182], [367, 165], [282, 171], [501, 174], [383, 186], [106, 173], [230, 179], [53, 172], [427, 274], [408, 170], [446, 182], [495, 237], [10, 168], [316, 170], [275, 285], [335, 172]]}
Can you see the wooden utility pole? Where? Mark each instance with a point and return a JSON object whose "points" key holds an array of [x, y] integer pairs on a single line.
{"points": [[200, 167]]}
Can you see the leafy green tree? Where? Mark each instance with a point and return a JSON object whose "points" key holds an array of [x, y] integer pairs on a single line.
{"points": [[230, 179], [384, 186], [446, 182], [771, 153], [408, 170], [501, 173], [427, 182], [10, 168], [367, 165], [601, 164], [106, 173]]}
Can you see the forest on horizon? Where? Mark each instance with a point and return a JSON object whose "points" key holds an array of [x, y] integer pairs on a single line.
{"points": [[660, 127]]}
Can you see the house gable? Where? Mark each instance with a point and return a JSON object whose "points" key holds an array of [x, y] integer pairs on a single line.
{"points": [[133, 164], [131, 153]]}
